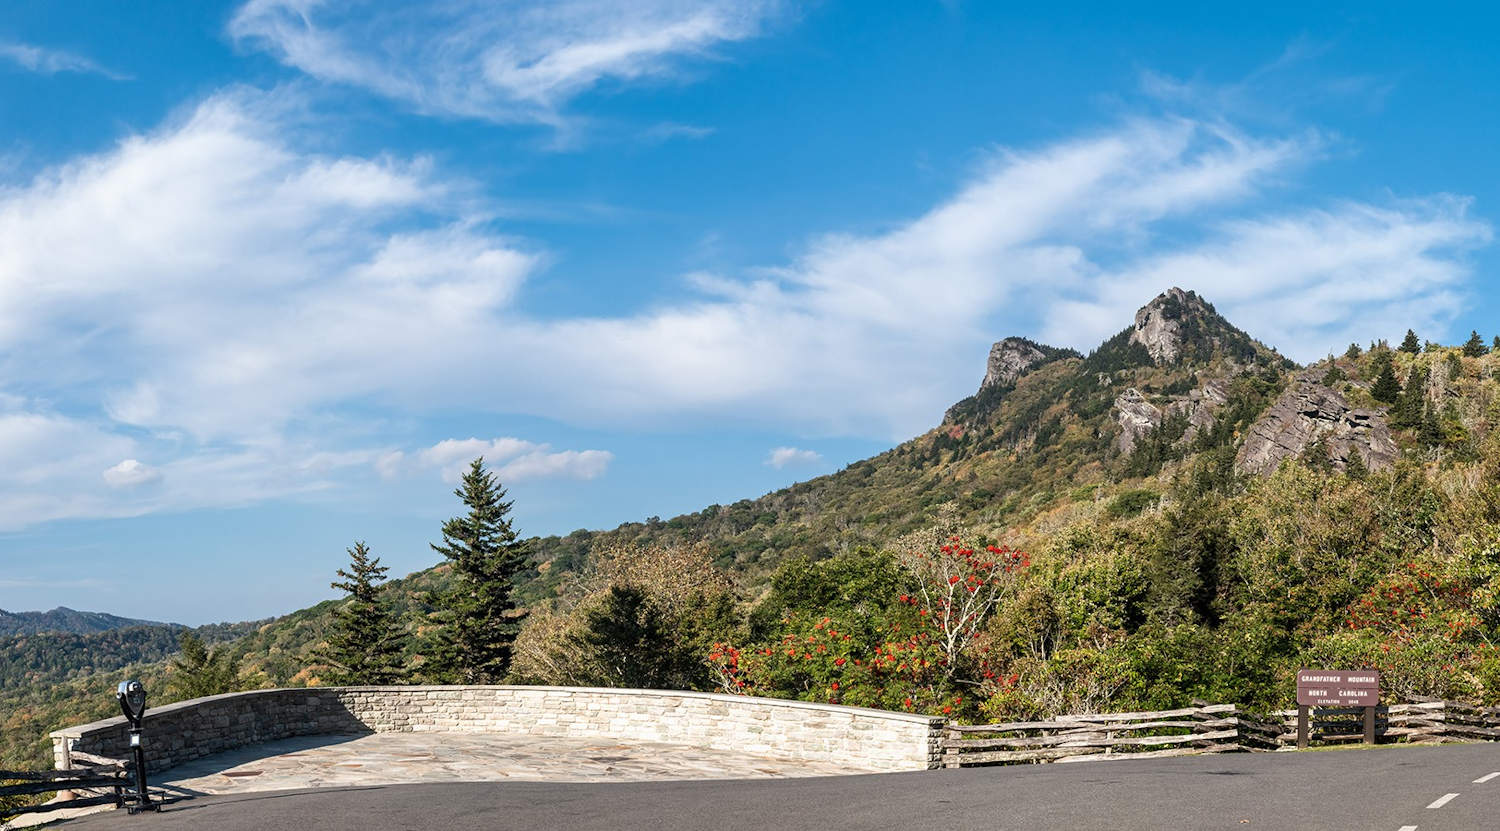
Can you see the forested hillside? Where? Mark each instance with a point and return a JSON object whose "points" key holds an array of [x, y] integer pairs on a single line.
{"points": [[1182, 513]]}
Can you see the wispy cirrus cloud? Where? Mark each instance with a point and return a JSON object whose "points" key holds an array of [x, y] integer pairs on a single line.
{"points": [[52, 61], [508, 62]]}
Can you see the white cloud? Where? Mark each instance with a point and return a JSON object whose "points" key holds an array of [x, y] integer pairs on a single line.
{"points": [[52, 61], [244, 311], [131, 473], [783, 456], [515, 459], [1307, 282], [502, 61]]}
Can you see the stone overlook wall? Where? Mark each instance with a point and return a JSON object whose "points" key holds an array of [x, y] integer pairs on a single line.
{"points": [[865, 740]]}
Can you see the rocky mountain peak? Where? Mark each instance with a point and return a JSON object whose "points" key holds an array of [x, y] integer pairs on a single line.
{"points": [[1009, 359], [1174, 316], [1179, 326]]}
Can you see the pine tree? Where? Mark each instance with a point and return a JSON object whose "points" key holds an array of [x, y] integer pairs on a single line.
{"points": [[1353, 351], [1496, 345], [200, 671], [1411, 344], [366, 644], [478, 619], [1474, 346], [1386, 387]]}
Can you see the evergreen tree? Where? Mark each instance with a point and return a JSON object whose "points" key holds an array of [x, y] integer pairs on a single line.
{"points": [[1474, 346], [1353, 351], [366, 644], [1432, 430], [1496, 345], [1411, 344], [634, 642], [1386, 387], [1355, 468], [478, 619], [1407, 411], [200, 671]]}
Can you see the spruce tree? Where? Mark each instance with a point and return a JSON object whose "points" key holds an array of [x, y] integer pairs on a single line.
{"points": [[1407, 411], [366, 644], [1474, 346], [1411, 344], [199, 671], [1386, 387], [1496, 345], [1431, 433], [477, 615], [1353, 351]]}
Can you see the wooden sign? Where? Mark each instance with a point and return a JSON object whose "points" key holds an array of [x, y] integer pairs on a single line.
{"points": [[1338, 688]]}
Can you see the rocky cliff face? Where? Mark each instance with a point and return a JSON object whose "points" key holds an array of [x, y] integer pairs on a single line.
{"points": [[1009, 359], [1137, 416], [1307, 413]]}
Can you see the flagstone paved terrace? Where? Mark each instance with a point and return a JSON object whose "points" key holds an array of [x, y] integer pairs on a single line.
{"points": [[545, 729], [411, 758]]}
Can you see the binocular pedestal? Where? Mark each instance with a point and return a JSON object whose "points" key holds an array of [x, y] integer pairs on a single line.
{"points": [[132, 697]]}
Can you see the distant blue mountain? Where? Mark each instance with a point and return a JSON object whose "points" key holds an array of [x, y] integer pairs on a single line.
{"points": [[63, 619]]}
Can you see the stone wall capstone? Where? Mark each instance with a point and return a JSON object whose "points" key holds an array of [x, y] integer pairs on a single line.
{"points": [[862, 739]]}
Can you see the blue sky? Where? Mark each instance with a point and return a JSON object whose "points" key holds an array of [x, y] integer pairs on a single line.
{"points": [[270, 271]]}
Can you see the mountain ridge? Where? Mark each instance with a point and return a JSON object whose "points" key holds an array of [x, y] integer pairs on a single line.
{"points": [[65, 620]]}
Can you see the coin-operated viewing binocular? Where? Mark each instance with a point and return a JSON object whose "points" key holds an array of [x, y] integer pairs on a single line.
{"points": [[132, 698]]}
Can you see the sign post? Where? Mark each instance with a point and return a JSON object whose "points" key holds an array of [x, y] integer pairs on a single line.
{"points": [[1336, 688]]}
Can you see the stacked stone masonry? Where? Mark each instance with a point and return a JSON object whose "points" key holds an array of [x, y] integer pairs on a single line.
{"points": [[865, 740]]}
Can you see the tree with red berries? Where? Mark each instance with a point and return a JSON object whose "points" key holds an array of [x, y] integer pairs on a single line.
{"points": [[957, 588]]}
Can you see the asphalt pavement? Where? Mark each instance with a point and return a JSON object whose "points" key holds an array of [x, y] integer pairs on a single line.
{"points": [[1442, 788]]}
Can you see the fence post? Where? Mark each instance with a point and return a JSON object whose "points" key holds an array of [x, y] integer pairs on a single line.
{"points": [[1302, 727], [1369, 725]]}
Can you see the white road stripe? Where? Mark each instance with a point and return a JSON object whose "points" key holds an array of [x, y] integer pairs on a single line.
{"points": [[1407, 828], [1442, 800], [1487, 777]]}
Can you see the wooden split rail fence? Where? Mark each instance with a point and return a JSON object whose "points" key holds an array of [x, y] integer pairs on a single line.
{"points": [[1426, 722], [102, 782], [1212, 728]]}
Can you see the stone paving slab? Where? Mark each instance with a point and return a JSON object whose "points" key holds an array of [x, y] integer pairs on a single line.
{"points": [[409, 758]]}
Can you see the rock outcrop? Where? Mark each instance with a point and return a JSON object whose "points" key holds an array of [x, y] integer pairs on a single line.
{"points": [[1009, 360], [1308, 413], [1137, 416]]}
